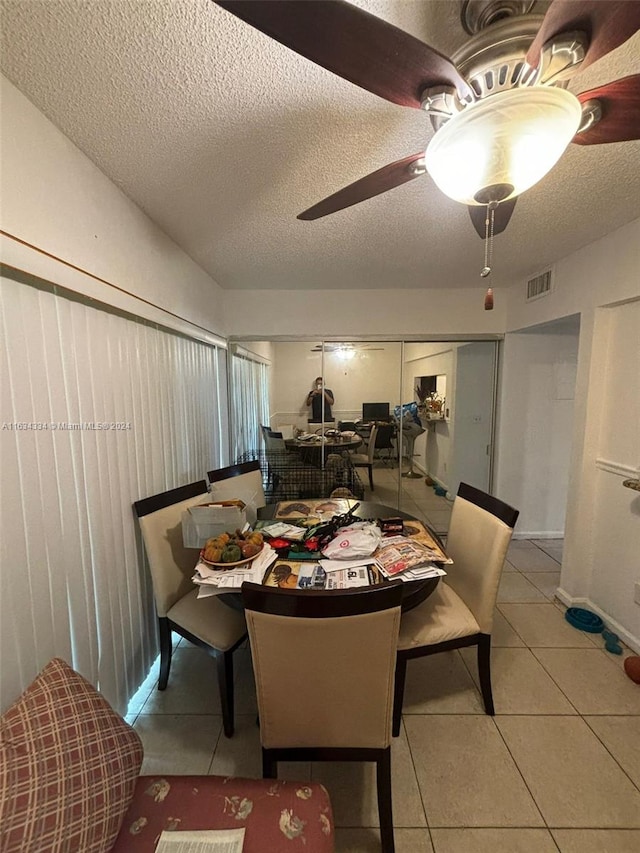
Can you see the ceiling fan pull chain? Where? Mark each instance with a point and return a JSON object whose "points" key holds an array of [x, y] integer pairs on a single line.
{"points": [[488, 238], [488, 252]]}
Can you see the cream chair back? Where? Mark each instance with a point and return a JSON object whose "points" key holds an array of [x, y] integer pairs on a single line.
{"points": [[477, 542], [170, 563], [243, 481], [334, 654]]}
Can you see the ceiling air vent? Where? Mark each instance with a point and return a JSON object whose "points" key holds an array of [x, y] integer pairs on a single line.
{"points": [[539, 286]]}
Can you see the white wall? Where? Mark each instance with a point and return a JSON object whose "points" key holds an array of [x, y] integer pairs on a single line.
{"points": [[56, 199], [472, 411], [536, 426], [356, 313], [601, 562], [600, 283], [370, 376]]}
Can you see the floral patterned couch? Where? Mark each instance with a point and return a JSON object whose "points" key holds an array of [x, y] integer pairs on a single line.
{"points": [[69, 782]]}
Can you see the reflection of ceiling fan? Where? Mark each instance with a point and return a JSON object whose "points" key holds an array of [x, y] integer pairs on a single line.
{"points": [[499, 107], [344, 349]]}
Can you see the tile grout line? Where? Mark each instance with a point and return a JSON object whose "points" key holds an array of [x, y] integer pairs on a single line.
{"points": [[632, 716], [415, 773]]}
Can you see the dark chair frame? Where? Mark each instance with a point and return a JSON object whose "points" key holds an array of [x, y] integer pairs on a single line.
{"points": [[509, 516], [320, 604], [383, 440], [224, 660], [232, 471]]}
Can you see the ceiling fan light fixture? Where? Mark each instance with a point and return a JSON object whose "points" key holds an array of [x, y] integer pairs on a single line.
{"points": [[501, 146]]}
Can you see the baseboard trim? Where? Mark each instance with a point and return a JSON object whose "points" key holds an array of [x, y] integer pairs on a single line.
{"points": [[575, 601], [538, 534]]}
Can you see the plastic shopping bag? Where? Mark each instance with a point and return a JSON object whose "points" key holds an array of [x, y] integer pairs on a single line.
{"points": [[358, 540]]}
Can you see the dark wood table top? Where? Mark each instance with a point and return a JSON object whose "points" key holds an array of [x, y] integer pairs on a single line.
{"points": [[414, 592], [329, 443]]}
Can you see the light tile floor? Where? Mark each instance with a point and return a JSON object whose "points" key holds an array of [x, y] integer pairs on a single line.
{"points": [[557, 768]]}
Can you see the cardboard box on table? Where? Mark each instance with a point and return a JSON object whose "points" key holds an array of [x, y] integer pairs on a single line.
{"points": [[203, 521]]}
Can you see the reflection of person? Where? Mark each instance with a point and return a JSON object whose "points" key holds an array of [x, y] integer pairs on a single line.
{"points": [[320, 402]]}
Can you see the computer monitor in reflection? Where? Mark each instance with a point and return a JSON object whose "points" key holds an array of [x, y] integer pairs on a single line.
{"points": [[375, 412]]}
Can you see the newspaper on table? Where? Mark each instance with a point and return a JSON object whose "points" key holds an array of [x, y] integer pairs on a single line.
{"points": [[293, 574], [213, 581], [201, 841]]}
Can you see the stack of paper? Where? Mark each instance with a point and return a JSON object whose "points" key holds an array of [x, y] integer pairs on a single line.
{"points": [[214, 581], [400, 556], [280, 529]]}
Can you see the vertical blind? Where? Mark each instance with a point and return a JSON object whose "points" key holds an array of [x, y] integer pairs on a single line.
{"points": [[250, 403], [98, 410]]}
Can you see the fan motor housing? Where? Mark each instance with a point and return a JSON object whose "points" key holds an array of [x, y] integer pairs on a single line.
{"points": [[494, 60]]}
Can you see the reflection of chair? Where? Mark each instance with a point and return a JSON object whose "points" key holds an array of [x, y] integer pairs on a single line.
{"points": [[274, 441], [335, 652], [365, 460], [243, 481], [205, 622], [384, 442], [460, 612]]}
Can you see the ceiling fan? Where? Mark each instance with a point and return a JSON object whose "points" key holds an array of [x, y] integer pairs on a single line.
{"points": [[499, 106]]}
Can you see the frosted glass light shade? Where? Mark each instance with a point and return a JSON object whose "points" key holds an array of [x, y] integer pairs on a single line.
{"points": [[511, 138]]}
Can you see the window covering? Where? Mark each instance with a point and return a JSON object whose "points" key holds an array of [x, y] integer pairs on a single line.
{"points": [[98, 410], [249, 403]]}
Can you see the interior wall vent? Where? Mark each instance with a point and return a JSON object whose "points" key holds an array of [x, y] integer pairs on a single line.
{"points": [[539, 286]]}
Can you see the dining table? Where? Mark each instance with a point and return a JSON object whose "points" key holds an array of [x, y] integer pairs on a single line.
{"points": [[313, 450], [414, 591]]}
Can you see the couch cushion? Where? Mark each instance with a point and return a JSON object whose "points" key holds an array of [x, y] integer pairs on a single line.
{"points": [[293, 816], [68, 765]]}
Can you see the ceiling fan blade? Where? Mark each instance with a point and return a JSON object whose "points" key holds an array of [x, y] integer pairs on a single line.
{"points": [[620, 105], [378, 182], [501, 220], [354, 45], [608, 25]]}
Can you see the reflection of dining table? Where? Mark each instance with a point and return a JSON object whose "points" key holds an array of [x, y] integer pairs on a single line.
{"points": [[415, 591], [312, 450]]}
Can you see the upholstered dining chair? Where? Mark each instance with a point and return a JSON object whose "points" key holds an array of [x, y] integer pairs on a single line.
{"points": [[459, 612], [336, 653], [205, 622], [365, 460], [243, 481]]}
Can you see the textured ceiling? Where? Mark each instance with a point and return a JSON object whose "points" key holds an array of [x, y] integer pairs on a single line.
{"points": [[222, 136]]}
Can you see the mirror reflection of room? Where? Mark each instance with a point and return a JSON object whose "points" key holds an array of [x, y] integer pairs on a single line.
{"points": [[440, 436]]}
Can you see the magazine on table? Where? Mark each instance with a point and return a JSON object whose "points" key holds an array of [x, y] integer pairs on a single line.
{"points": [[416, 530], [397, 554]]}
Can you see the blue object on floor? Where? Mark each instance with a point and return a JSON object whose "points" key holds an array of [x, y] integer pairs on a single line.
{"points": [[611, 643], [584, 620], [440, 492]]}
